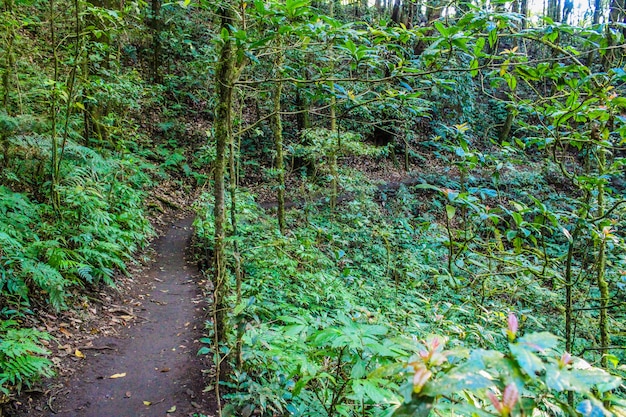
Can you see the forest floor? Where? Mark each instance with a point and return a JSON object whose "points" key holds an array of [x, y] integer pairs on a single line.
{"points": [[150, 367]]}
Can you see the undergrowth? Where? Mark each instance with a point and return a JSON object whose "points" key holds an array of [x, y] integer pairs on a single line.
{"points": [[333, 315], [45, 255]]}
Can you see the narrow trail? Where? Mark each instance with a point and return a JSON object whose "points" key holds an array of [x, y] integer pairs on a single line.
{"points": [[155, 359]]}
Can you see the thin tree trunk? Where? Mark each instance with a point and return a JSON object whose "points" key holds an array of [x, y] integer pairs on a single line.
{"points": [[395, 14], [224, 79], [156, 40], [93, 126], [597, 11], [54, 162], [277, 128], [334, 170], [10, 64], [508, 124], [603, 286], [6, 85], [237, 255]]}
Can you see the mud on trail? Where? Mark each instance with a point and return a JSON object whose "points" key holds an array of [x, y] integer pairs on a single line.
{"points": [[151, 368]]}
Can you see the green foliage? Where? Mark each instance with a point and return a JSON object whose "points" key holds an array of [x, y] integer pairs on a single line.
{"points": [[529, 377], [22, 357], [330, 313], [101, 225]]}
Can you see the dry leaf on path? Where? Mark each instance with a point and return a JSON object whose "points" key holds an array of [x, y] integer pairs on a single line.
{"points": [[146, 403], [65, 331], [115, 376], [79, 354], [171, 410]]}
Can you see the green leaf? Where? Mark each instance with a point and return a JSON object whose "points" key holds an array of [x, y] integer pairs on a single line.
{"points": [[453, 383], [493, 37], [450, 211], [225, 34], [511, 81], [366, 388], [526, 358], [590, 408], [358, 369], [595, 377], [474, 67], [539, 341], [480, 44], [441, 28]]}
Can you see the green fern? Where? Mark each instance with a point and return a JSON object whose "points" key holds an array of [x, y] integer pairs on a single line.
{"points": [[48, 279], [100, 225], [22, 357]]}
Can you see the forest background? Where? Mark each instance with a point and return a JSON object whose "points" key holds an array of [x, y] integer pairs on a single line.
{"points": [[381, 190]]}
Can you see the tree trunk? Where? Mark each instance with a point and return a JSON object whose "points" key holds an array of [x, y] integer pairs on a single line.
{"points": [[524, 12], [617, 11], [93, 127], [156, 40], [597, 11], [10, 60], [395, 14], [506, 128], [54, 161], [603, 286], [225, 76], [554, 10], [277, 129]]}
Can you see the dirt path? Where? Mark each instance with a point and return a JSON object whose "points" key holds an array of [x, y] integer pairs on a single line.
{"points": [[157, 356]]}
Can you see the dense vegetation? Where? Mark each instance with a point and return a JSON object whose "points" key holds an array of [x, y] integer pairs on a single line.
{"points": [[486, 279]]}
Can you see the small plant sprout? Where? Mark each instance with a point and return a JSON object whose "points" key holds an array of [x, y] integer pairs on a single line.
{"points": [[509, 398], [420, 378], [434, 355], [565, 360], [513, 325]]}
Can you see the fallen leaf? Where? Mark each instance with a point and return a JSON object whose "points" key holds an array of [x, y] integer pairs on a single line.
{"points": [[115, 376], [171, 410], [146, 403], [79, 354], [128, 394], [65, 331], [165, 369]]}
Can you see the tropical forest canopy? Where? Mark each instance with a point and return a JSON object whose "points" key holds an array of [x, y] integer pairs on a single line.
{"points": [[403, 208]]}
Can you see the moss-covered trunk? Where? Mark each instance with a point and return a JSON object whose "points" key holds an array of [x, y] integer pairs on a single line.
{"points": [[277, 129]]}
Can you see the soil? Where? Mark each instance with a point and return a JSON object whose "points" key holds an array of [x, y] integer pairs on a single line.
{"points": [[151, 367]]}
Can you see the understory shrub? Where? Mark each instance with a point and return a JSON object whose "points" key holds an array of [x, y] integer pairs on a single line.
{"points": [[337, 315], [22, 357]]}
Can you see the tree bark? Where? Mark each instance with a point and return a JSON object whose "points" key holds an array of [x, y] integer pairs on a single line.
{"points": [[277, 129], [156, 41], [224, 86], [10, 61], [597, 11], [603, 286], [54, 161]]}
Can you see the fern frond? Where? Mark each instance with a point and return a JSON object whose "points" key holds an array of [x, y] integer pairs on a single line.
{"points": [[47, 279]]}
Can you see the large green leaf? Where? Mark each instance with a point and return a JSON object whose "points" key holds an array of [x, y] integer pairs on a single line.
{"points": [[590, 408], [453, 383], [539, 341], [527, 359]]}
